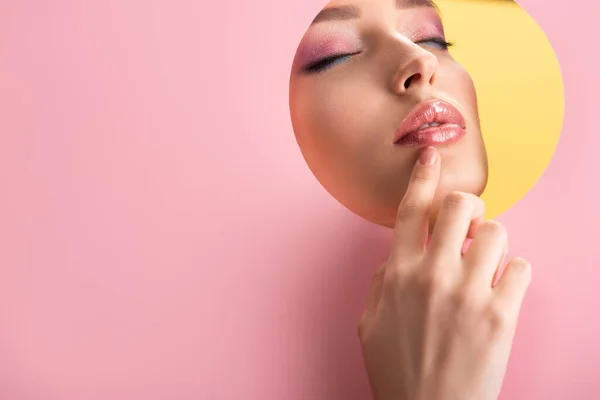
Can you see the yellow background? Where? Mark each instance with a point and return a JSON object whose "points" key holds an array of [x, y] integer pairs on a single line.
{"points": [[519, 87]]}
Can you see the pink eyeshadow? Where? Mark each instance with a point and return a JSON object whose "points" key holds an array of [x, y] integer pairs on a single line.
{"points": [[313, 50], [425, 28]]}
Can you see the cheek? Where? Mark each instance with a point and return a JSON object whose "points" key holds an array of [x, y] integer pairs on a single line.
{"points": [[467, 88], [457, 83], [337, 116]]}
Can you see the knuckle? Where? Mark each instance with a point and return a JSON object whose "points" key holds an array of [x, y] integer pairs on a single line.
{"points": [[494, 228], [521, 264], [461, 199], [408, 207], [456, 199], [523, 268], [422, 175], [497, 319], [394, 277], [477, 201], [464, 299], [433, 284], [379, 273]]}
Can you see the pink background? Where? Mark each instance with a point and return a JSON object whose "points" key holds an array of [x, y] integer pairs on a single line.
{"points": [[162, 237]]}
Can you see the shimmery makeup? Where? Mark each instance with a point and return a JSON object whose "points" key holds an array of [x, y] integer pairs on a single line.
{"points": [[325, 45], [423, 25]]}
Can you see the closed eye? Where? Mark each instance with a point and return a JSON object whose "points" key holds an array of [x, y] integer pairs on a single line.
{"points": [[439, 43], [328, 62]]}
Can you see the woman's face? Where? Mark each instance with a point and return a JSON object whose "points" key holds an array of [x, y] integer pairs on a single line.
{"points": [[367, 77]]}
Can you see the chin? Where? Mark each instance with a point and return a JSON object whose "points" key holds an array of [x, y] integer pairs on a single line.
{"points": [[476, 186]]}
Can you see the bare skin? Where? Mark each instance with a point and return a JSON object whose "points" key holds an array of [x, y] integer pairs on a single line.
{"points": [[373, 69], [435, 327]]}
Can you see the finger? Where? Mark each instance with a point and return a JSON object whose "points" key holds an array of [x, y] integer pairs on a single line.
{"points": [[501, 266], [474, 226], [412, 219], [512, 286], [458, 217], [471, 234], [486, 252]]}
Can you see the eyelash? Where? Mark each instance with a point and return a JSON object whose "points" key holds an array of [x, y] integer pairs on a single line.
{"points": [[439, 41], [328, 62]]}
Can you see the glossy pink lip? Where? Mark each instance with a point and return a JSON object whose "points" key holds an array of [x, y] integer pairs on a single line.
{"points": [[451, 125]]}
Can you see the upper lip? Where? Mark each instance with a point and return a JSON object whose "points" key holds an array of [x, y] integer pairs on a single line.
{"points": [[432, 111]]}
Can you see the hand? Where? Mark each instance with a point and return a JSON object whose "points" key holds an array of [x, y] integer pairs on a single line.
{"points": [[435, 328]]}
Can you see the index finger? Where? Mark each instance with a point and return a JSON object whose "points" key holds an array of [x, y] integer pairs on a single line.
{"points": [[412, 220], [459, 217]]}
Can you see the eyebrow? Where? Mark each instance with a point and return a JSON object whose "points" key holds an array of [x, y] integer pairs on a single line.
{"points": [[414, 3], [343, 13], [340, 13]]}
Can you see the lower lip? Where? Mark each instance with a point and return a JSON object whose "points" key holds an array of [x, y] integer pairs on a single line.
{"points": [[433, 136]]}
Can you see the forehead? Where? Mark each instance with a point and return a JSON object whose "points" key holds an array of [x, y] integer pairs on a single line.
{"points": [[354, 9], [396, 3]]}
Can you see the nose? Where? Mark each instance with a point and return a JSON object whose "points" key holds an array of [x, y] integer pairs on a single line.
{"points": [[417, 73]]}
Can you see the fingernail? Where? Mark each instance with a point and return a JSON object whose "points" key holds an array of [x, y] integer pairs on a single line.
{"points": [[428, 156]]}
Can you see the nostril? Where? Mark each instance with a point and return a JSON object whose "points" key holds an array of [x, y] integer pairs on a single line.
{"points": [[411, 79]]}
